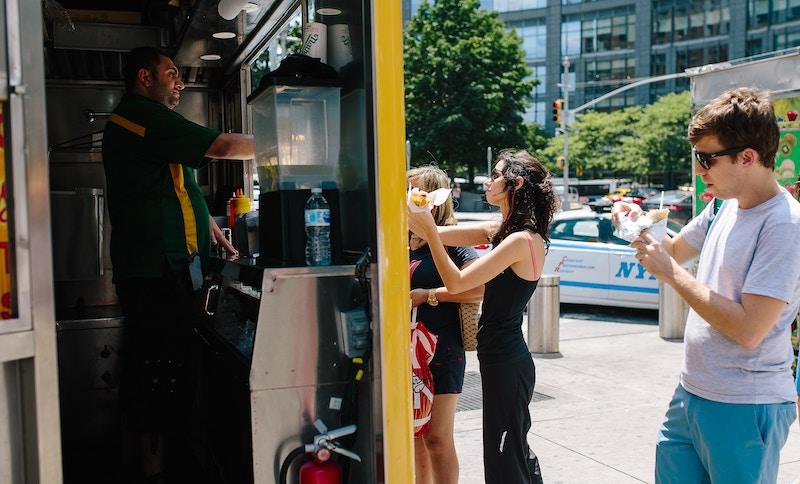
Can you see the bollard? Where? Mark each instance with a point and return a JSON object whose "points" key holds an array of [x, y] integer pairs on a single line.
{"points": [[672, 312], [544, 311]]}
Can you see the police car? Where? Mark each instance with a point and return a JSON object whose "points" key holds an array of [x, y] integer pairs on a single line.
{"points": [[596, 267]]}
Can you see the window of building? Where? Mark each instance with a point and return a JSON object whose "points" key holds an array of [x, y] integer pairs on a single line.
{"points": [[697, 56], [784, 11], [603, 76], [536, 113], [678, 20], [534, 36], [761, 13], [513, 5], [755, 46], [757, 13], [784, 40], [599, 31], [658, 67], [571, 38]]}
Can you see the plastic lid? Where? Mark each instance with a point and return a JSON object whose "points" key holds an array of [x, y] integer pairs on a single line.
{"points": [[316, 190]]}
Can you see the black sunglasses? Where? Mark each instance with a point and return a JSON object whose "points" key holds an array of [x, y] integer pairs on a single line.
{"points": [[706, 159]]}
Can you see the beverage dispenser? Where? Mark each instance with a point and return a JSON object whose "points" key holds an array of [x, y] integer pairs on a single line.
{"points": [[296, 124]]}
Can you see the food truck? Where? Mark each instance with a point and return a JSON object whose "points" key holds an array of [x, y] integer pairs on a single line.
{"points": [[299, 366]]}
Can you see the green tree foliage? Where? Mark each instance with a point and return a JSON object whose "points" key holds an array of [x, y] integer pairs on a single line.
{"points": [[635, 141], [659, 144], [595, 141], [465, 85]]}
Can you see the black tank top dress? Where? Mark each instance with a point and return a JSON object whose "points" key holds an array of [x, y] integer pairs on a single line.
{"points": [[508, 377]]}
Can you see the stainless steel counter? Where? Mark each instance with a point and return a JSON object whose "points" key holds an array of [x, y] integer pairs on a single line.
{"points": [[282, 328]]}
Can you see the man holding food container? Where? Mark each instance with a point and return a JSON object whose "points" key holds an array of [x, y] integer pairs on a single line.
{"points": [[161, 231], [731, 412]]}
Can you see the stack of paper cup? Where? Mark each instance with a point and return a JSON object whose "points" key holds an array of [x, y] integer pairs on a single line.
{"points": [[315, 41], [340, 45]]}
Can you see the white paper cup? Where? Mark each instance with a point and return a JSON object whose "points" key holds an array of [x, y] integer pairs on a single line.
{"points": [[340, 45], [658, 230], [315, 41]]}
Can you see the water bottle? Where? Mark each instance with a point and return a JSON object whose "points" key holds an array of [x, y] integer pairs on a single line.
{"points": [[318, 230]]}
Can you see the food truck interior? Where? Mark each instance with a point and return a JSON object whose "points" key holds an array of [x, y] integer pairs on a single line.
{"points": [[283, 347]]}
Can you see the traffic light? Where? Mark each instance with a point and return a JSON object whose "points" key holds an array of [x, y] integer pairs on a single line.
{"points": [[560, 162], [558, 105]]}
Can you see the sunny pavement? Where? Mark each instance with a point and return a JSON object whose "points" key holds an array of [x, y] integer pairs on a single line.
{"points": [[609, 388]]}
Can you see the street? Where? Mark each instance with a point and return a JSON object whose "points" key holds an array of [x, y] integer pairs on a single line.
{"points": [[598, 404]]}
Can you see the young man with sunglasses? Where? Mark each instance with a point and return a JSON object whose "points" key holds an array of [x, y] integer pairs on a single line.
{"points": [[731, 412]]}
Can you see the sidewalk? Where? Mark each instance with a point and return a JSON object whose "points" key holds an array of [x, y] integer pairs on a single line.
{"points": [[598, 407]]}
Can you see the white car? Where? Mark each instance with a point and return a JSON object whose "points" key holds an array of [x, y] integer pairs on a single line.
{"points": [[595, 266]]}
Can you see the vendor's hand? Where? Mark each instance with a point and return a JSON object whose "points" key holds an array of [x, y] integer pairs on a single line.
{"points": [[622, 209], [217, 237], [421, 223], [418, 297], [652, 255]]}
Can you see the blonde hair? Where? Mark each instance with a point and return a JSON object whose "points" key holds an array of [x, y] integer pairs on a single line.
{"points": [[430, 178]]}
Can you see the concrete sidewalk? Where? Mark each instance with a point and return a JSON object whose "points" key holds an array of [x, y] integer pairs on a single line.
{"points": [[598, 405]]}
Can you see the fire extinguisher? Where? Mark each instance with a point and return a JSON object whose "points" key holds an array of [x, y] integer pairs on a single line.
{"points": [[320, 469]]}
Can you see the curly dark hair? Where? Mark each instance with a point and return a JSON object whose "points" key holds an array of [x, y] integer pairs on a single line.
{"points": [[532, 205]]}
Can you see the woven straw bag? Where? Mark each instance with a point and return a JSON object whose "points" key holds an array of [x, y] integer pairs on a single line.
{"points": [[468, 314]]}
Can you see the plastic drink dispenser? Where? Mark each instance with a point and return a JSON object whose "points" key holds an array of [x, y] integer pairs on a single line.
{"points": [[296, 125]]}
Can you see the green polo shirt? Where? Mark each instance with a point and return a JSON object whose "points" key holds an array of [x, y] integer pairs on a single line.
{"points": [[157, 211]]}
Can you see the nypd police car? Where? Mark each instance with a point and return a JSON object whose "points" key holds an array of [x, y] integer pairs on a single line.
{"points": [[594, 266]]}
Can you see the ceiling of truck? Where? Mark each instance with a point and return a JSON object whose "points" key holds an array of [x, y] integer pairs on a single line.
{"points": [[86, 39]]}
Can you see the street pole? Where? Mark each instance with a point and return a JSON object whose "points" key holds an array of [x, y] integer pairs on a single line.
{"points": [[564, 131], [489, 161]]}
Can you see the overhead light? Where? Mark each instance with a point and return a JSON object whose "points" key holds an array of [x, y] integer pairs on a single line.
{"points": [[223, 35], [210, 57], [328, 11], [251, 7], [229, 9]]}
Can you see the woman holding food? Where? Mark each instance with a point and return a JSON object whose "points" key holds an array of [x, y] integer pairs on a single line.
{"points": [[520, 186], [435, 452]]}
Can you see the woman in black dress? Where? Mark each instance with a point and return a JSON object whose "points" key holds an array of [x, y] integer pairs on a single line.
{"points": [[520, 186], [435, 452]]}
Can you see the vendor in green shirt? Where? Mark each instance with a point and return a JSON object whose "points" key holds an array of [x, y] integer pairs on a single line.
{"points": [[161, 229]]}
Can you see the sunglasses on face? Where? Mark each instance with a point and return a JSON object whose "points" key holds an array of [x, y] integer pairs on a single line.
{"points": [[706, 159]]}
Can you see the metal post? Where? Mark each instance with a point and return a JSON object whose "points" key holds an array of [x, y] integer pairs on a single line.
{"points": [[672, 312], [408, 155], [564, 130], [489, 161], [544, 312]]}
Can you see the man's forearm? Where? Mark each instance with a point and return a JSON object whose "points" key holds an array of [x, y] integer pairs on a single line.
{"points": [[726, 316]]}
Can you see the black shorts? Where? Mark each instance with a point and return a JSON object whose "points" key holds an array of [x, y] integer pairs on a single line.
{"points": [[159, 362], [447, 367]]}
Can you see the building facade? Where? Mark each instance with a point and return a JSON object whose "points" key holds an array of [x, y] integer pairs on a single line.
{"points": [[611, 42]]}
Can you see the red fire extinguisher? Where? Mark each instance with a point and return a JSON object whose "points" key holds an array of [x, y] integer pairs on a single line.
{"points": [[320, 469]]}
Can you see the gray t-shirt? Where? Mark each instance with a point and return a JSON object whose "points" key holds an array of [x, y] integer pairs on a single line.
{"points": [[753, 251]]}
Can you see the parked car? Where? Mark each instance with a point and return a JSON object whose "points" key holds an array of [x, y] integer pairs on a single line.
{"points": [[678, 202], [595, 266], [631, 196]]}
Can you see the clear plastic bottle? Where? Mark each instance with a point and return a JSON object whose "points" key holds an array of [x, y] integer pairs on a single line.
{"points": [[318, 230]]}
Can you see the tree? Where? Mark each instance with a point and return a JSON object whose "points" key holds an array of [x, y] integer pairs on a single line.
{"points": [[595, 141], [639, 140], [659, 145], [465, 85]]}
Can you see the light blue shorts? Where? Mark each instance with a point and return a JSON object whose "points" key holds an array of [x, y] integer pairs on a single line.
{"points": [[702, 441]]}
